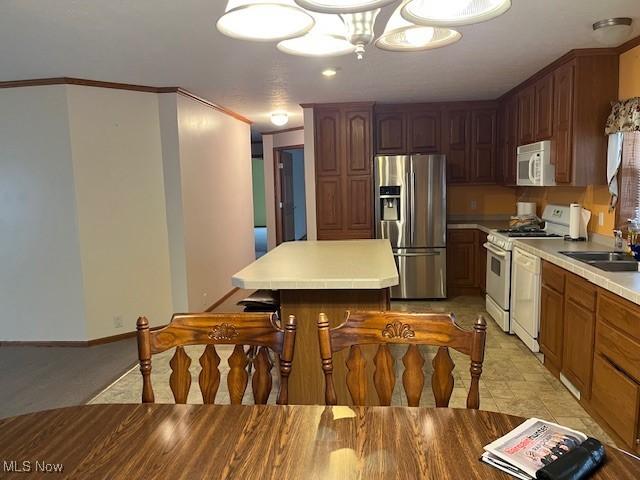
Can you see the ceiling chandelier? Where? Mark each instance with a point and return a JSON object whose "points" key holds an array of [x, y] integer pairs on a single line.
{"points": [[321, 28]]}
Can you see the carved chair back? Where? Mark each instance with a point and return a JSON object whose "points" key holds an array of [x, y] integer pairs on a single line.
{"points": [[384, 328], [259, 331]]}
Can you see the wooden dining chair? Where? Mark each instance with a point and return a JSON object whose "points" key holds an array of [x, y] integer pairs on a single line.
{"points": [[257, 330], [384, 328]]}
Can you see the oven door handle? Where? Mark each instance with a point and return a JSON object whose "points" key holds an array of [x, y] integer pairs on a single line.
{"points": [[497, 252]]}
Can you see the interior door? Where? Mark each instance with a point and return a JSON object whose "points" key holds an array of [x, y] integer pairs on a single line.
{"points": [[427, 201], [286, 197]]}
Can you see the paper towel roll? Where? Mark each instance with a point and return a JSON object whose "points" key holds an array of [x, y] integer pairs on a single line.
{"points": [[575, 219], [526, 208]]}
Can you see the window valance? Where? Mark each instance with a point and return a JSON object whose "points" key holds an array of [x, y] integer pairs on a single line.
{"points": [[624, 117]]}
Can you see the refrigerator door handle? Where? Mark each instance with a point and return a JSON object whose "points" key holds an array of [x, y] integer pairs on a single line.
{"points": [[413, 206], [408, 197], [424, 254]]}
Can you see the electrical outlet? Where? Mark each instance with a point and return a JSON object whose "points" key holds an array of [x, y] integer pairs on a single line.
{"points": [[118, 322], [473, 204], [601, 219]]}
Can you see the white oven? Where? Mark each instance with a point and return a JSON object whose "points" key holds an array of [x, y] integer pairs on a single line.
{"points": [[498, 284], [534, 167]]}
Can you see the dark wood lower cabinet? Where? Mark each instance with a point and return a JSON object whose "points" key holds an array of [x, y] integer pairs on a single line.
{"points": [[577, 355], [551, 327], [466, 262], [592, 336]]}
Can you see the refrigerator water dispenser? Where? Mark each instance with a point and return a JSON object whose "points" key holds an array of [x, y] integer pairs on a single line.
{"points": [[390, 203]]}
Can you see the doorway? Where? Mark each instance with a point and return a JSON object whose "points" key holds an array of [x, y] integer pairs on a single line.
{"points": [[291, 208]]}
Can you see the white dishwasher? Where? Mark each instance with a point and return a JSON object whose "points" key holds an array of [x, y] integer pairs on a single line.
{"points": [[525, 298]]}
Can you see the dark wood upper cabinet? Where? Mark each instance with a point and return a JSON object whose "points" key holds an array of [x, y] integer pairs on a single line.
{"points": [[423, 129], [526, 115], [457, 145], [344, 171], [544, 108], [563, 119], [508, 140], [328, 125], [391, 128], [568, 103], [483, 145], [358, 142]]}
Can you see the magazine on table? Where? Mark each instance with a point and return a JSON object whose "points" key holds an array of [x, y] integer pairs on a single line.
{"points": [[531, 446]]}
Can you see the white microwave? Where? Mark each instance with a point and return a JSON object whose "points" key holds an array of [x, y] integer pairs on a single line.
{"points": [[534, 167]]}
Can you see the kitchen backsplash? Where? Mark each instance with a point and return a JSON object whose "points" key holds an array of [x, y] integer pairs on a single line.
{"points": [[593, 197], [480, 200]]}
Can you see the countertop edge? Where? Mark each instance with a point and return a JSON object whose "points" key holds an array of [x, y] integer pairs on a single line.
{"points": [[584, 271]]}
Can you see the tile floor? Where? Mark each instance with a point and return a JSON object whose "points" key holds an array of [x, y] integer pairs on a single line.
{"points": [[513, 380]]}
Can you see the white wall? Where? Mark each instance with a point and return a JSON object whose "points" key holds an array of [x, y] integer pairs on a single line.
{"points": [[217, 199], [168, 104], [41, 292], [117, 162], [269, 142]]}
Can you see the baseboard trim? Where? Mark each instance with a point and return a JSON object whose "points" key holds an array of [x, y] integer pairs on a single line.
{"points": [[96, 341], [222, 299]]}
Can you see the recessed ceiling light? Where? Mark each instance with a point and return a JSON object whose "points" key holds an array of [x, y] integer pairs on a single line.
{"points": [[342, 6], [264, 21], [612, 31], [330, 72], [449, 13], [403, 36], [326, 38], [279, 119]]}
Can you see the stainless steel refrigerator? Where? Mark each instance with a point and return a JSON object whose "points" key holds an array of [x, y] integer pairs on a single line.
{"points": [[411, 211]]}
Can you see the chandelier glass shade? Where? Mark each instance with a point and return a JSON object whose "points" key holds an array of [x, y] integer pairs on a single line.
{"points": [[401, 35], [342, 6], [328, 37], [360, 29], [449, 13], [264, 20]]}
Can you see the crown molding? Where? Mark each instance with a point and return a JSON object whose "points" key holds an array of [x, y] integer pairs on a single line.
{"points": [[633, 43], [121, 86]]}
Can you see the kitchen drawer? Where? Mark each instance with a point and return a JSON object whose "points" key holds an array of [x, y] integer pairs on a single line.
{"points": [[620, 349], [461, 236], [581, 292], [620, 313], [617, 399], [553, 276]]}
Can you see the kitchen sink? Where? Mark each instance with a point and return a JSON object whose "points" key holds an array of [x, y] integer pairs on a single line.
{"points": [[607, 261]]}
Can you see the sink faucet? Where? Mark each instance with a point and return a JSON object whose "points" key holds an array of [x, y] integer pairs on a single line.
{"points": [[619, 241]]}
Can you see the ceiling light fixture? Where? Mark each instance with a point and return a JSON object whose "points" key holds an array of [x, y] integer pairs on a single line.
{"points": [[450, 13], [326, 38], [330, 72], [403, 36], [279, 119], [342, 6], [264, 20], [612, 31], [360, 29]]}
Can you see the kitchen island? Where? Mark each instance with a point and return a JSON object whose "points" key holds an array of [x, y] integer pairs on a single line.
{"points": [[331, 277]]}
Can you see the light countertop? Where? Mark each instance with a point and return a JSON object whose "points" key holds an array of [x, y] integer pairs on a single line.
{"points": [[625, 284], [322, 265]]}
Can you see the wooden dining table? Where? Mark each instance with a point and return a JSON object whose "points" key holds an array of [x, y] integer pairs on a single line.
{"points": [[150, 441]]}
